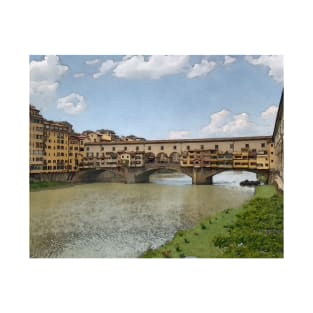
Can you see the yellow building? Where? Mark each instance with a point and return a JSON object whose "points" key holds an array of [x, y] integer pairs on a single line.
{"points": [[36, 148], [75, 155], [53, 146], [278, 136], [56, 146], [131, 159], [261, 158]]}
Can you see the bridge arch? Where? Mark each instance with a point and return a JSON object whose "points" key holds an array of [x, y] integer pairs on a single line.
{"points": [[258, 173], [143, 176], [162, 157], [149, 157], [174, 157]]}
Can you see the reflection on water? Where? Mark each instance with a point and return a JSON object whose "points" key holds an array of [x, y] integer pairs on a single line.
{"points": [[170, 179], [119, 220]]}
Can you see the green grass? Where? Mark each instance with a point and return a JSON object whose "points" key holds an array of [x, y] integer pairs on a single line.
{"points": [[262, 178], [209, 239], [266, 191], [257, 232], [41, 185]]}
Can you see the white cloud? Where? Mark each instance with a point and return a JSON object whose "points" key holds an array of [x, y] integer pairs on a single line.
{"points": [[40, 88], [275, 63], [78, 75], [72, 104], [239, 124], [44, 80], [218, 119], [104, 68], [223, 124], [179, 134], [270, 112], [48, 69], [155, 67], [228, 59], [92, 62], [201, 69]]}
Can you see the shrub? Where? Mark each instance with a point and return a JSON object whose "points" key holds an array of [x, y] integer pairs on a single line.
{"points": [[180, 233], [203, 226], [167, 253]]}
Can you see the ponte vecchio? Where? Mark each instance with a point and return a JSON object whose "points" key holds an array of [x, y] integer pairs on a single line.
{"points": [[201, 159]]}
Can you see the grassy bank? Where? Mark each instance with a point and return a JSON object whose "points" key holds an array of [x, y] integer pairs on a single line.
{"points": [[44, 185], [253, 230]]}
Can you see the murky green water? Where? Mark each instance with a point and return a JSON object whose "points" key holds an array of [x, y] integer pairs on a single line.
{"points": [[119, 220]]}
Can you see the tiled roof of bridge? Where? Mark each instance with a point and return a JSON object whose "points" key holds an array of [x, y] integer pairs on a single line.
{"points": [[181, 140]]}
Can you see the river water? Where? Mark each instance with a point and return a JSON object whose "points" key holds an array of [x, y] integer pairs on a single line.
{"points": [[120, 220]]}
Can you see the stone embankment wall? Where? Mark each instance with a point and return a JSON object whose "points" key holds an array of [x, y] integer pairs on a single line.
{"points": [[92, 176], [55, 177]]}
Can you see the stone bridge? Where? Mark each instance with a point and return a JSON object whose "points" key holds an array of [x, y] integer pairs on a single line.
{"points": [[128, 175], [200, 159]]}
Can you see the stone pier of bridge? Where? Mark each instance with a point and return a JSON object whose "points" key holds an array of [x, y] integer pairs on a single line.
{"points": [[129, 175], [199, 176]]}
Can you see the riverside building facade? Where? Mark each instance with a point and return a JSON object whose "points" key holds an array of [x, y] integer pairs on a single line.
{"points": [[55, 148], [36, 133], [255, 153]]}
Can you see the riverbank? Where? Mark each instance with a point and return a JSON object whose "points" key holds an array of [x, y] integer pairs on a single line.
{"points": [[253, 230], [47, 185]]}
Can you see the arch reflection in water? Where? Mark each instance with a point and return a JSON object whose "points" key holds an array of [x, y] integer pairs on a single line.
{"points": [[172, 178]]}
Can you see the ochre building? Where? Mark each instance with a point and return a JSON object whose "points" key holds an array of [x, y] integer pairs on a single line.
{"points": [[36, 148]]}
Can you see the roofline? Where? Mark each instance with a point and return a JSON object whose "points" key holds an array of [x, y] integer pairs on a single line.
{"points": [[279, 112], [180, 140]]}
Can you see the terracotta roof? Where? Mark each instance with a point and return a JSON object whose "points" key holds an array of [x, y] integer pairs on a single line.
{"points": [[183, 140]]}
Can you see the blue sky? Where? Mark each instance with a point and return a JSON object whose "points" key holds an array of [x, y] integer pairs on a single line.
{"points": [[160, 97]]}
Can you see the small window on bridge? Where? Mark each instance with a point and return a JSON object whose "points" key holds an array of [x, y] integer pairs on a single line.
{"points": [[188, 147], [174, 147], [149, 147], [202, 147], [137, 148], [162, 147], [113, 148], [263, 145], [247, 145], [125, 148], [102, 148], [216, 147]]}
